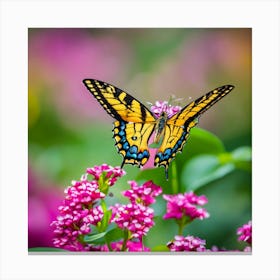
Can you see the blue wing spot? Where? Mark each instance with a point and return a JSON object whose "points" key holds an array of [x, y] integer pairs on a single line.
{"points": [[125, 146], [133, 149], [145, 153], [131, 152], [122, 133]]}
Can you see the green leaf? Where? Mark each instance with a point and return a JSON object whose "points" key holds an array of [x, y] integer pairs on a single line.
{"points": [[202, 141], [114, 235], [160, 248], [204, 169], [242, 158], [91, 238], [105, 220], [242, 153], [46, 249], [155, 174]]}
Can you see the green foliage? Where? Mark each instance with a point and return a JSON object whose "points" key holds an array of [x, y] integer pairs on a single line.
{"points": [[46, 249], [202, 161], [205, 167]]}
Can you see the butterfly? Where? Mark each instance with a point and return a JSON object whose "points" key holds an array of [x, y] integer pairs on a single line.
{"points": [[135, 123]]}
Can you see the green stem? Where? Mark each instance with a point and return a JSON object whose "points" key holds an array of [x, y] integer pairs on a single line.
{"points": [[125, 239], [181, 227], [174, 179], [103, 205], [103, 183], [109, 246], [142, 243]]}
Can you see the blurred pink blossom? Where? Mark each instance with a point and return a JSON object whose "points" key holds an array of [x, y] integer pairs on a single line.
{"points": [[59, 59], [43, 201], [245, 233]]}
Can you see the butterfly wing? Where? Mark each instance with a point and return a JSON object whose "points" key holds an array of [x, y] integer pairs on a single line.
{"points": [[134, 125], [132, 141], [119, 104], [178, 126]]}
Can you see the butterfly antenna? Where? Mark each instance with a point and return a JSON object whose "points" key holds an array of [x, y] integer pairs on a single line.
{"points": [[122, 163]]}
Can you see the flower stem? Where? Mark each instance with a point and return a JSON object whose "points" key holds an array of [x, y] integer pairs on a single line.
{"points": [[125, 240], [109, 246], [174, 179], [181, 227], [142, 243]]}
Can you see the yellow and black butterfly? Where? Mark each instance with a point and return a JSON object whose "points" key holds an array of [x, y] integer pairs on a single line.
{"points": [[135, 123]]}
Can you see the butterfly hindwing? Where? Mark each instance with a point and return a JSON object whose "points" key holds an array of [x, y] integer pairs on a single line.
{"points": [[173, 142], [178, 126], [132, 141]]}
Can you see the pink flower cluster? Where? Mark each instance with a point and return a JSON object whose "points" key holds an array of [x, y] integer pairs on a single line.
{"points": [[144, 194], [188, 243], [245, 233], [80, 210], [180, 205], [163, 106], [77, 214], [110, 173], [136, 216]]}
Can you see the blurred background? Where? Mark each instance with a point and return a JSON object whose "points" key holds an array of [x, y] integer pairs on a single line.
{"points": [[69, 131]]}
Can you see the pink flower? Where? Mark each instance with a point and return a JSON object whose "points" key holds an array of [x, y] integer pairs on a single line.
{"points": [[43, 200], [131, 246], [144, 194], [245, 232], [180, 205], [188, 243], [77, 214], [82, 193], [136, 218], [72, 224], [110, 173], [163, 106]]}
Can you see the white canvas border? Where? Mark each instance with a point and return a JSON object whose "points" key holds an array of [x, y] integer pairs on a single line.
{"points": [[17, 16]]}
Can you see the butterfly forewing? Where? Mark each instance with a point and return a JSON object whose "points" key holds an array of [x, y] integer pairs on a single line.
{"points": [[178, 126], [194, 109], [119, 104]]}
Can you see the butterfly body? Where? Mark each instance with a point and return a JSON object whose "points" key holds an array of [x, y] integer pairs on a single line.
{"points": [[135, 123], [160, 127]]}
